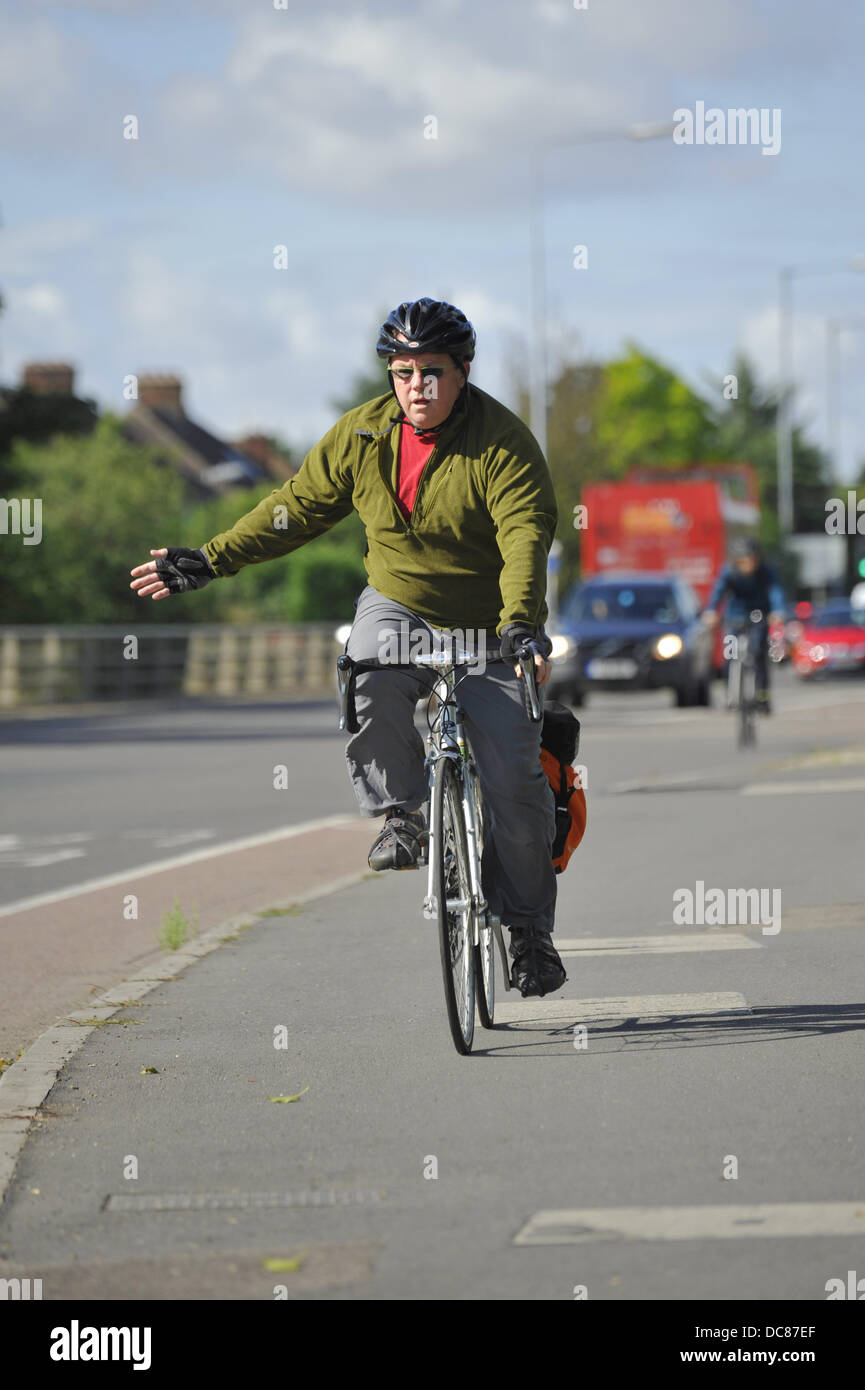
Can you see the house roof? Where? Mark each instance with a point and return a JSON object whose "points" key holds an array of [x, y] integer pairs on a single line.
{"points": [[212, 465]]}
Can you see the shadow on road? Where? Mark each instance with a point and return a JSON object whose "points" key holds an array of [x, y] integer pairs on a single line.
{"points": [[783, 1023]]}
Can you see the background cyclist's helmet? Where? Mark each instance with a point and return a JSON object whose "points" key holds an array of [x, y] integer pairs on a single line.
{"points": [[744, 547], [429, 325]]}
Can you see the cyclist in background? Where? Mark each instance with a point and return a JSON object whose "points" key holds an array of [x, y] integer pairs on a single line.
{"points": [[745, 584], [460, 512]]}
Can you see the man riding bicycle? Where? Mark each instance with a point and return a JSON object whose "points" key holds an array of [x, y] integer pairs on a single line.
{"points": [[460, 513], [748, 583]]}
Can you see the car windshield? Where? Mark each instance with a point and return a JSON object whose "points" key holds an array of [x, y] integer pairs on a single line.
{"points": [[839, 615], [612, 603]]}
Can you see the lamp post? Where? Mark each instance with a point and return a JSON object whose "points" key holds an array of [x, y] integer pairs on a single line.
{"points": [[784, 417], [655, 130], [834, 329]]}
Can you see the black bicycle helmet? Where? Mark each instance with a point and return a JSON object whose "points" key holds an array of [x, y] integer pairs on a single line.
{"points": [[744, 546], [427, 325]]}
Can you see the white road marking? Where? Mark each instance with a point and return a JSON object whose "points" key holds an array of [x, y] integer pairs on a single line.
{"points": [[824, 784], [158, 866], [765, 1220], [654, 945], [679, 779], [182, 837], [540, 1011], [24, 859]]}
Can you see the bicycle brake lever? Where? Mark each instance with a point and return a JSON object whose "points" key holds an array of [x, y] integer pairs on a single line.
{"points": [[526, 657], [345, 682]]}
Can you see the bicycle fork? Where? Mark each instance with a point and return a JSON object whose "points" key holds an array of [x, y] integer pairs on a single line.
{"points": [[481, 906], [480, 910]]}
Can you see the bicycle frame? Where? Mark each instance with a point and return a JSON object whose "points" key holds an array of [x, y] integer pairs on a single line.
{"points": [[740, 691], [448, 739]]}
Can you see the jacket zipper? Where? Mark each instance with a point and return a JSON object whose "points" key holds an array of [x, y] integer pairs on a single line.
{"points": [[423, 474], [379, 441]]}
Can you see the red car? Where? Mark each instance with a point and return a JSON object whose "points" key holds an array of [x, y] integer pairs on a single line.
{"points": [[833, 639]]}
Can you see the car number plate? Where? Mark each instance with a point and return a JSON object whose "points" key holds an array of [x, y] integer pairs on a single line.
{"points": [[610, 670]]}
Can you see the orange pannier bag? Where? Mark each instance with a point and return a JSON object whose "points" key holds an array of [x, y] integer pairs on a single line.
{"points": [[560, 741]]}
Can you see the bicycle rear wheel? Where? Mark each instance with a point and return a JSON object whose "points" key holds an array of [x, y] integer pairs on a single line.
{"points": [[453, 894]]}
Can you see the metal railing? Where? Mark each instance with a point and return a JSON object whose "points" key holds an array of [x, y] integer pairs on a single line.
{"points": [[56, 665]]}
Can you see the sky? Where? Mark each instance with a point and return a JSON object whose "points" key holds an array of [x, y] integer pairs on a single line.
{"points": [[303, 125]]}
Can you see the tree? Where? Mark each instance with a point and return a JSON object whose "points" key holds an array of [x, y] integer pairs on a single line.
{"points": [[103, 500], [744, 428], [30, 415], [648, 415], [604, 418]]}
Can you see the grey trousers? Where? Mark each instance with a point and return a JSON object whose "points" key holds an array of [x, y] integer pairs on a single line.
{"points": [[386, 761]]}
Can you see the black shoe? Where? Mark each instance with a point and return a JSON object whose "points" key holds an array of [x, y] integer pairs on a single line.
{"points": [[537, 967], [401, 843], [763, 704]]}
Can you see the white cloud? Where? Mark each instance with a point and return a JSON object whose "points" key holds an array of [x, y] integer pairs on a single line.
{"points": [[45, 300]]}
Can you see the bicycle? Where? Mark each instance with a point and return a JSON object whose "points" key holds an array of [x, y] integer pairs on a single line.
{"points": [[453, 848], [742, 678]]}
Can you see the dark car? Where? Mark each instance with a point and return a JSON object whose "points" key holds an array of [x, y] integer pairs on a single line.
{"points": [[632, 632]]}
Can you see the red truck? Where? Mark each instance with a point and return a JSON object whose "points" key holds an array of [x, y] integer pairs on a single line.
{"points": [[669, 522]]}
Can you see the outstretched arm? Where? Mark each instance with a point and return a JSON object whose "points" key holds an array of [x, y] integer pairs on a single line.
{"points": [[314, 500]]}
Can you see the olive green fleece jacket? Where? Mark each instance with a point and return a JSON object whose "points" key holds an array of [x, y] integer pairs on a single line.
{"points": [[474, 552]]}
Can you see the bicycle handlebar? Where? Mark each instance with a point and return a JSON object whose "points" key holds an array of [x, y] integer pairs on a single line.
{"points": [[348, 670]]}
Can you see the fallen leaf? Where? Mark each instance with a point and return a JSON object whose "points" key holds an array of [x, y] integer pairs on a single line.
{"points": [[284, 1266], [149, 1070], [286, 1100]]}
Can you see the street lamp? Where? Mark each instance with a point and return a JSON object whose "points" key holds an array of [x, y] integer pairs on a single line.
{"points": [[647, 130], [834, 329], [784, 418]]}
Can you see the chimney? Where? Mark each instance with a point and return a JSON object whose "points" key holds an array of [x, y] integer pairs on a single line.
{"points": [[256, 447], [161, 393], [48, 378]]}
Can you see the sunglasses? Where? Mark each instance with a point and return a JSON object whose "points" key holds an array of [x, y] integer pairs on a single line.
{"points": [[406, 373]]}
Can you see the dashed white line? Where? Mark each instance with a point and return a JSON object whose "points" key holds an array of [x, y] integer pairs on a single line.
{"points": [[654, 945], [823, 784], [766, 1220]]}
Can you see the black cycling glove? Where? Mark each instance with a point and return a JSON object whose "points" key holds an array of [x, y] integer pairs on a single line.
{"points": [[515, 634], [183, 569]]}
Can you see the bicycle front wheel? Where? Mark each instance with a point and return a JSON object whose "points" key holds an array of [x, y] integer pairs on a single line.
{"points": [[454, 900], [484, 951]]}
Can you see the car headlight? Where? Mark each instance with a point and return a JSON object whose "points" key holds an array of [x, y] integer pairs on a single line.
{"points": [[668, 645], [562, 646], [819, 653]]}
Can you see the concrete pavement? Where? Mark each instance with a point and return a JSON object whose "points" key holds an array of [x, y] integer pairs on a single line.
{"points": [[704, 1143]]}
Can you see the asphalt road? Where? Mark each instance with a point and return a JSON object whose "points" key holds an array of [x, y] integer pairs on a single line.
{"points": [[705, 1143]]}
